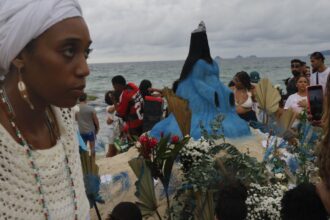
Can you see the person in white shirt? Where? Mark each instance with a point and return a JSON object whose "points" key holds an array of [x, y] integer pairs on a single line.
{"points": [[320, 70], [298, 101], [113, 122]]}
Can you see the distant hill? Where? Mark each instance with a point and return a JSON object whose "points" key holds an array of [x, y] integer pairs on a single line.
{"points": [[326, 52], [218, 60]]}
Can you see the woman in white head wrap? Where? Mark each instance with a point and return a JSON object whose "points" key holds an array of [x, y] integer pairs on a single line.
{"points": [[44, 45]]}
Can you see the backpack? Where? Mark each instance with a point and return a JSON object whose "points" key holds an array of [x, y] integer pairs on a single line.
{"points": [[152, 112]]}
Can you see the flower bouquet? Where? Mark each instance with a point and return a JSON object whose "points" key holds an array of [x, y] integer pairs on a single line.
{"points": [[264, 202], [155, 161]]}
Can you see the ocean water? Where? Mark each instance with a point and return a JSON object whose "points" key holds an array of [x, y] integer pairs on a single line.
{"points": [[163, 73]]}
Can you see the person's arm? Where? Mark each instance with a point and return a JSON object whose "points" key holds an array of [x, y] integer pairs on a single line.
{"points": [[122, 105], [288, 103], [96, 122], [303, 103], [109, 121], [111, 109]]}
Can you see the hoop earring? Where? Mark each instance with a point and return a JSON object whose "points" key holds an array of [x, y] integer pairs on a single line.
{"points": [[22, 90]]}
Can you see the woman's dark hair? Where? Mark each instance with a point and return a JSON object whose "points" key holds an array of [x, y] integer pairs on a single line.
{"points": [[144, 86], [318, 56], [231, 200], [126, 211], [244, 78], [231, 83], [302, 76], [199, 49], [302, 203], [108, 97]]}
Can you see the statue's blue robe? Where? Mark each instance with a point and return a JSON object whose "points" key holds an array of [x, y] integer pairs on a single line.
{"points": [[201, 88]]}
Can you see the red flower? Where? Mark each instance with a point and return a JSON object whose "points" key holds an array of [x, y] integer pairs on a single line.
{"points": [[144, 140], [152, 143], [175, 139]]}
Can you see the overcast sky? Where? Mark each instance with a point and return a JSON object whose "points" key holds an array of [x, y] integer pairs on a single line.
{"points": [[142, 30]]}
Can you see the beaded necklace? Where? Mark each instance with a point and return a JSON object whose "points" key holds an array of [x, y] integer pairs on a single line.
{"points": [[27, 148]]}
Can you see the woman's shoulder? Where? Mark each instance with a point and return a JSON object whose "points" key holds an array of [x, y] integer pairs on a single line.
{"points": [[292, 99]]}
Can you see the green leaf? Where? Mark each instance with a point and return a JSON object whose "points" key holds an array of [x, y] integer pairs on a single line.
{"points": [[145, 190], [167, 170], [162, 145]]}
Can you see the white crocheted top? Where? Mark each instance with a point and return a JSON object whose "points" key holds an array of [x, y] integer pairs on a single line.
{"points": [[19, 197]]}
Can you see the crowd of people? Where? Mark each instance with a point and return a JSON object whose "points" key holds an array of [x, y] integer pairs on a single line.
{"points": [[126, 103], [296, 96], [131, 110], [44, 72]]}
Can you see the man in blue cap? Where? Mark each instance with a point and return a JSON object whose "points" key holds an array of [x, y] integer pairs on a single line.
{"points": [[255, 77]]}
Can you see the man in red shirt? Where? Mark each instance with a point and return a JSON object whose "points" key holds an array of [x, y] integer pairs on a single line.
{"points": [[129, 107]]}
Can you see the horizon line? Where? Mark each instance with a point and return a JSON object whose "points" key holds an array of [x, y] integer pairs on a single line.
{"points": [[223, 58]]}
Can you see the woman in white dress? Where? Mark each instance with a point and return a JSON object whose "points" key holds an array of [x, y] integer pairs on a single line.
{"points": [[44, 45], [298, 101]]}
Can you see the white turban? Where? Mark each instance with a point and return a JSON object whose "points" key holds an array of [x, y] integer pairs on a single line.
{"points": [[24, 20]]}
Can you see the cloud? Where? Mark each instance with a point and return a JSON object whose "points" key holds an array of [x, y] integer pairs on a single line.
{"points": [[137, 30]]}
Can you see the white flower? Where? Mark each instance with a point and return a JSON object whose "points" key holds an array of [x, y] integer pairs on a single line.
{"points": [[277, 86], [280, 176], [284, 188]]}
